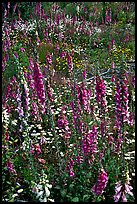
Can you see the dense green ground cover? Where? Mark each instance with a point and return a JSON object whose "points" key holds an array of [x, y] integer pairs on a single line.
{"points": [[68, 101]]}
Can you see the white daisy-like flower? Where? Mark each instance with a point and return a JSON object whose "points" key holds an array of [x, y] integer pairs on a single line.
{"points": [[14, 195], [14, 122], [20, 190], [43, 200], [47, 192], [39, 194], [49, 185], [51, 200]]}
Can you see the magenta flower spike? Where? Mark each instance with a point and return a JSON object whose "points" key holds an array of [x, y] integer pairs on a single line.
{"points": [[39, 85], [11, 167], [101, 184], [89, 144]]}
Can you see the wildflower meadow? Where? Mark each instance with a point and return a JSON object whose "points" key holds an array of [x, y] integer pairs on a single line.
{"points": [[68, 101]]}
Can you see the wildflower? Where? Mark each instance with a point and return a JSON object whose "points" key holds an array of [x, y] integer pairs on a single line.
{"points": [[19, 108], [84, 74], [22, 49], [40, 193], [127, 116], [11, 167], [35, 109], [41, 161], [89, 144], [113, 65], [63, 54], [7, 136], [39, 85], [14, 195], [70, 167], [101, 184], [38, 148], [79, 159], [63, 123], [100, 88], [72, 173], [70, 63], [43, 200], [27, 99], [47, 192], [113, 42], [74, 115], [49, 59], [108, 47], [121, 190], [20, 190], [78, 8]]}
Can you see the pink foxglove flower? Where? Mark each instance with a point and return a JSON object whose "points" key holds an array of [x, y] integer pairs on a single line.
{"points": [[70, 167], [89, 144], [11, 167], [101, 184], [121, 190], [70, 63], [64, 124], [41, 161], [39, 85]]}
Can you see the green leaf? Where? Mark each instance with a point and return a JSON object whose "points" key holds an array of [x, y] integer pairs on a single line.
{"points": [[63, 193], [76, 199], [57, 187], [71, 186], [89, 175], [86, 197]]}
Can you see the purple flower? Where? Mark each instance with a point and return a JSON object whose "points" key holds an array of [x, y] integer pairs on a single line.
{"points": [[74, 115], [64, 124], [22, 49], [89, 143], [113, 42], [72, 173], [19, 108], [63, 54], [35, 109], [39, 85], [79, 159], [101, 184], [84, 74], [100, 88], [70, 167], [49, 59], [121, 190], [11, 167], [7, 136], [16, 55], [70, 63]]}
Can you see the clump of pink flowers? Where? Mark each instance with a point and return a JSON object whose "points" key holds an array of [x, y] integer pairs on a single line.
{"points": [[64, 124], [11, 167], [89, 144], [101, 184], [121, 190], [39, 85], [101, 93], [70, 168]]}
